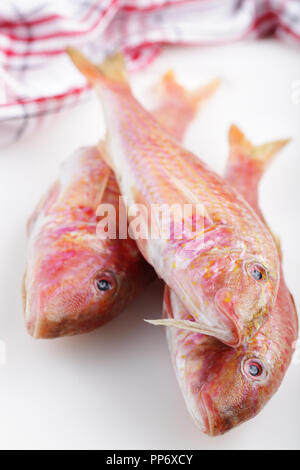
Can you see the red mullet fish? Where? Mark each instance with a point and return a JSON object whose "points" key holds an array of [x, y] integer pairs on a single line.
{"points": [[224, 386]]}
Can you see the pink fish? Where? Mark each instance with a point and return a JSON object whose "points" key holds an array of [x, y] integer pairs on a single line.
{"points": [[75, 282], [226, 271], [224, 386]]}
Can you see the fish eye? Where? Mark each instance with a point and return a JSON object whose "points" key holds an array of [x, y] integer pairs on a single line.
{"points": [[257, 271], [254, 369], [103, 285], [105, 281]]}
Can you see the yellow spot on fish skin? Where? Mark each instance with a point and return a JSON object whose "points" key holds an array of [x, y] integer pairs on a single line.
{"points": [[227, 298], [208, 274], [236, 268]]}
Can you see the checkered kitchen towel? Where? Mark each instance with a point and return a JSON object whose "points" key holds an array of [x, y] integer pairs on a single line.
{"points": [[37, 79]]}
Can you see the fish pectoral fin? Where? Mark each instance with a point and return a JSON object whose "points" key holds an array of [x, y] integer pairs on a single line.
{"points": [[181, 324], [219, 332]]}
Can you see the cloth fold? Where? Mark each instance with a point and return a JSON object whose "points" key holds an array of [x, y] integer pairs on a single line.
{"points": [[37, 79]]}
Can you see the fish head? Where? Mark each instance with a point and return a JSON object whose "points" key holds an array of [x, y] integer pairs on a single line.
{"points": [[247, 295], [237, 294], [79, 288], [225, 386], [237, 382], [234, 289]]}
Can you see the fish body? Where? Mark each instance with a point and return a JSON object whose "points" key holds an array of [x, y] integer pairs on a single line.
{"points": [[75, 282], [67, 262], [224, 386], [211, 269]]}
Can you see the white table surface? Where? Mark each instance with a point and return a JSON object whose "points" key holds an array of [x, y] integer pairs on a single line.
{"points": [[115, 388]]}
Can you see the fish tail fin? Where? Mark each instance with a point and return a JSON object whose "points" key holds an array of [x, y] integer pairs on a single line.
{"points": [[112, 69], [261, 155], [170, 88]]}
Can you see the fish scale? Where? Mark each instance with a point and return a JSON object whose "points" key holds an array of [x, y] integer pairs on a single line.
{"points": [[210, 191]]}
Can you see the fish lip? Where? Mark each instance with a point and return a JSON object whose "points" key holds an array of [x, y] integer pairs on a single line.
{"points": [[208, 427], [237, 333], [215, 425]]}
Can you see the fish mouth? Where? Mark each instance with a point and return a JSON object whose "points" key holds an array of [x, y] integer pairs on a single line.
{"points": [[229, 319], [253, 326], [236, 332], [214, 422], [206, 413]]}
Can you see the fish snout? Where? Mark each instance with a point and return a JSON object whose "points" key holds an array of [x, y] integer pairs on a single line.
{"points": [[220, 418], [250, 327], [244, 320], [59, 314]]}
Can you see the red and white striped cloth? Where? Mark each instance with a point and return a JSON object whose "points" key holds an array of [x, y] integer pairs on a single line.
{"points": [[37, 78]]}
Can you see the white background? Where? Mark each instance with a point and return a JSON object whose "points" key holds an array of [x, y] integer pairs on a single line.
{"points": [[115, 388]]}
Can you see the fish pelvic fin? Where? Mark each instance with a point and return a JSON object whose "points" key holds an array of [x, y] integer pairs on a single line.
{"points": [[261, 155], [112, 69]]}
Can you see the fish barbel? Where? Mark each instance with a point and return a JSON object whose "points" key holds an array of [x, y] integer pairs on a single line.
{"points": [[226, 270], [74, 281], [224, 386]]}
